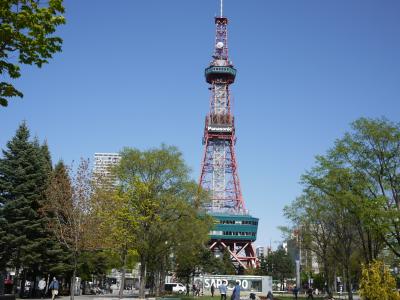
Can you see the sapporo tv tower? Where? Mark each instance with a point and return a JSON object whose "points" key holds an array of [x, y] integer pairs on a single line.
{"points": [[234, 230]]}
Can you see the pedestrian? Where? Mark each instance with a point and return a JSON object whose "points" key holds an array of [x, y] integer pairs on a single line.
{"points": [[8, 285], [194, 289], [54, 286], [212, 289], [222, 290], [270, 296], [236, 292], [295, 292], [197, 290], [310, 293], [42, 288]]}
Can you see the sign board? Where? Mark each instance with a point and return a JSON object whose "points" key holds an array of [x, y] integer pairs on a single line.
{"points": [[248, 283]]}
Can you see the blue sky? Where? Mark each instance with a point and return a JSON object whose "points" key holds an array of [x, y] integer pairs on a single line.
{"points": [[131, 74]]}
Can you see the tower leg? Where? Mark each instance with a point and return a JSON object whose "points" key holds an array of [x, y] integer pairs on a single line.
{"points": [[242, 254]]}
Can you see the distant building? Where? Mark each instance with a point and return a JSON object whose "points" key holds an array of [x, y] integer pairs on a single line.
{"points": [[285, 247], [262, 251], [103, 162], [296, 250]]}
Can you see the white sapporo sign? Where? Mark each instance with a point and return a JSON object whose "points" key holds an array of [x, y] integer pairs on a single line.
{"points": [[244, 284], [247, 283]]}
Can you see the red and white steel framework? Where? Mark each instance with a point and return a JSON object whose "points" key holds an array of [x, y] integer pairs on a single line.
{"points": [[219, 169]]}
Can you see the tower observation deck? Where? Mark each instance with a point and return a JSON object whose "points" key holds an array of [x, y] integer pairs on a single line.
{"points": [[235, 229]]}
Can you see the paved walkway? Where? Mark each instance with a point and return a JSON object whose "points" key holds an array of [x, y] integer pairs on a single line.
{"points": [[115, 297], [89, 297]]}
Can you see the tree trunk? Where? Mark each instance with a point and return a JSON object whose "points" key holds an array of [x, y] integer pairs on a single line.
{"points": [[160, 277], [47, 283], [142, 277], [3, 275], [72, 287], [22, 284], [334, 282], [122, 287], [15, 281], [157, 277], [348, 283], [34, 293], [329, 285], [162, 280]]}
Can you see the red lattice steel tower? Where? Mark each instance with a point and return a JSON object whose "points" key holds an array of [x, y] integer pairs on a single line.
{"points": [[235, 229]]}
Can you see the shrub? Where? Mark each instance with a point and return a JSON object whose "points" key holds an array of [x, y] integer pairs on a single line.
{"points": [[377, 283]]}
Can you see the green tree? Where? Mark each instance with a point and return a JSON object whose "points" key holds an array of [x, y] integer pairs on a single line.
{"points": [[94, 263], [118, 221], [24, 172], [315, 234], [226, 265], [189, 246], [26, 37], [372, 151], [198, 260], [377, 282], [277, 264], [319, 281], [154, 188], [332, 196], [350, 205]]}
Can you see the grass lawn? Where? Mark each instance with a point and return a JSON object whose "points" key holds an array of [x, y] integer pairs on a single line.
{"points": [[277, 297], [300, 297]]}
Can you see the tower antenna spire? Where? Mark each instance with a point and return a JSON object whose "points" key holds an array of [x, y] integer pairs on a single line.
{"points": [[222, 6]]}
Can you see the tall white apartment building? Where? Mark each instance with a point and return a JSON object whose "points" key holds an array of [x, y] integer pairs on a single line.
{"points": [[285, 246], [262, 251], [104, 161]]}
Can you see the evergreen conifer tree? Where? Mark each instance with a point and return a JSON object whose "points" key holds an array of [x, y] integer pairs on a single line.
{"points": [[24, 174]]}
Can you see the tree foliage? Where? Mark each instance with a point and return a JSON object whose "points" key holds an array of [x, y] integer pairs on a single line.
{"points": [[153, 209], [26, 37], [70, 212], [26, 244], [191, 255], [118, 222], [277, 264], [349, 209], [377, 282], [95, 262], [372, 152]]}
